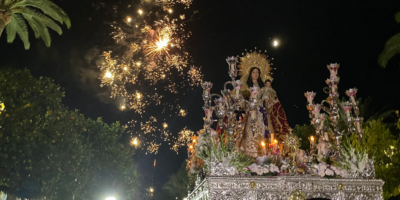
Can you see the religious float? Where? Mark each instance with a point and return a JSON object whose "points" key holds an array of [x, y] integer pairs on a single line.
{"points": [[252, 154]]}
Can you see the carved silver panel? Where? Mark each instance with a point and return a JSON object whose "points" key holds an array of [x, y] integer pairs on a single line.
{"points": [[280, 188]]}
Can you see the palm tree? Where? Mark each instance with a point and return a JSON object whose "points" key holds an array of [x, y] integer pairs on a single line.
{"points": [[39, 14], [392, 46]]}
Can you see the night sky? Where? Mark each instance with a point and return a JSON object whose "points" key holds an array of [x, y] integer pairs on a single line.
{"points": [[312, 34]]}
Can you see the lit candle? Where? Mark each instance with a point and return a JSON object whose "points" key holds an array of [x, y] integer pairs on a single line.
{"points": [[272, 138], [275, 143], [263, 145], [312, 140]]}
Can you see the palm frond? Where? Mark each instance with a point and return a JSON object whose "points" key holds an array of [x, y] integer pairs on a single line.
{"points": [[35, 25], [392, 47], [43, 19], [47, 7], [18, 26], [46, 36], [40, 30], [397, 17], [384, 115], [8, 2]]}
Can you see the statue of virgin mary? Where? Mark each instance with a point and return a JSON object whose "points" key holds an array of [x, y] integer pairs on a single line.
{"points": [[254, 70]]}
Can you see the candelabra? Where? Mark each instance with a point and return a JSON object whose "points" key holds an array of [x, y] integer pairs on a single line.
{"points": [[348, 111], [229, 106]]}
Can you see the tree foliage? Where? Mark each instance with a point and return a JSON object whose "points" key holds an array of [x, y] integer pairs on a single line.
{"points": [[304, 132], [392, 46], [382, 145], [39, 14], [49, 151], [177, 185]]}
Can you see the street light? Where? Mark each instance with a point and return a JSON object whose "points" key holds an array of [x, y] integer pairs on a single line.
{"points": [[110, 198]]}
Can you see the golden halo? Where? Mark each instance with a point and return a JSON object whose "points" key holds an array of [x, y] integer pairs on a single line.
{"points": [[255, 59]]}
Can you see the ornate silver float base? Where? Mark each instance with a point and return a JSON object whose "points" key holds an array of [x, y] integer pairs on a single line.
{"points": [[280, 188]]}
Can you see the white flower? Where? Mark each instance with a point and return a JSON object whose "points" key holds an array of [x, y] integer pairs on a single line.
{"points": [[321, 166], [273, 168], [315, 166], [329, 172], [321, 173], [343, 172], [259, 170], [253, 167], [265, 170], [334, 168]]}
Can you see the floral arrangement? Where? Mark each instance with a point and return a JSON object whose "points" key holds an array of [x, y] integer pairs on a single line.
{"points": [[262, 170], [355, 160], [324, 170], [219, 159]]}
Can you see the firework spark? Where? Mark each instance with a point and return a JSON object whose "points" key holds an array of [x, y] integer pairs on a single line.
{"points": [[185, 137]]}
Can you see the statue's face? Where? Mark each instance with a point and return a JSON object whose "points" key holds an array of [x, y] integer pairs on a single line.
{"points": [[268, 84], [255, 74]]}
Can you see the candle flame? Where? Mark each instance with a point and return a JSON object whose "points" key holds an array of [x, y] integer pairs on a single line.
{"points": [[263, 144], [312, 138]]}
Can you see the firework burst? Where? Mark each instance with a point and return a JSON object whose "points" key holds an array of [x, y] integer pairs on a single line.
{"points": [[151, 55]]}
